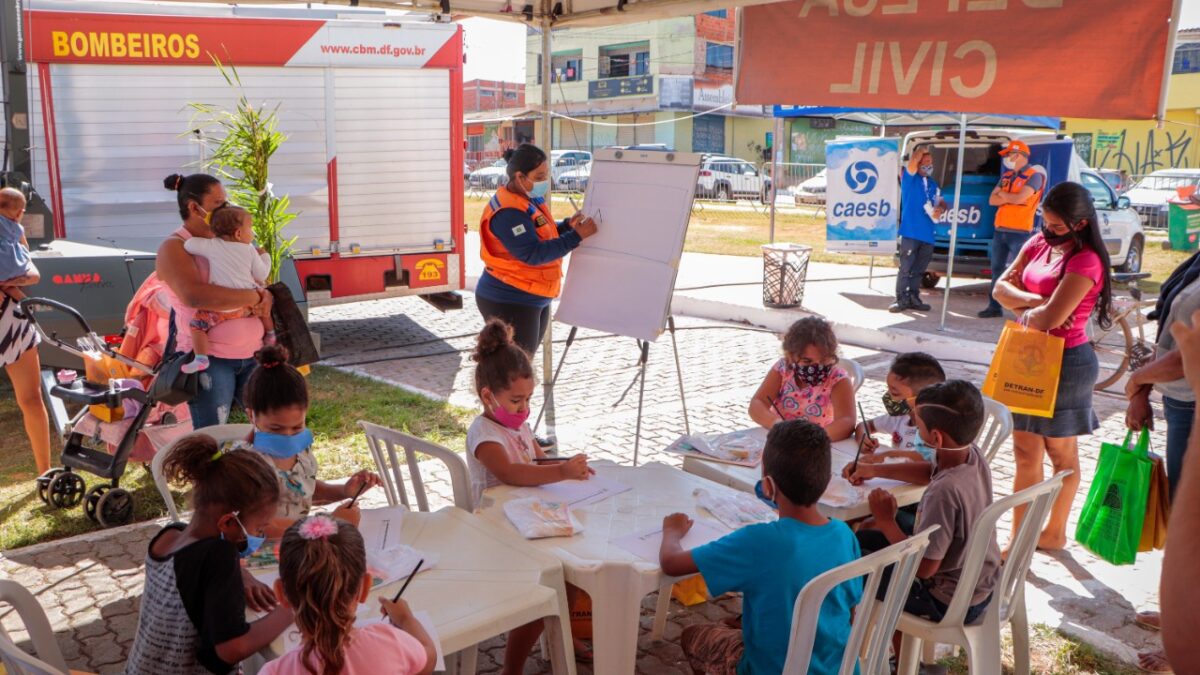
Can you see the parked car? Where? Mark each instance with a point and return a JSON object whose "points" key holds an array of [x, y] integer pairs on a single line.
{"points": [[727, 178], [1055, 154], [562, 161], [490, 177], [655, 147], [1150, 194], [811, 191], [575, 180]]}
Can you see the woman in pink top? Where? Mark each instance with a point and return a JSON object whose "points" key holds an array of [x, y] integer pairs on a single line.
{"points": [[233, 343], [1057, 281]]}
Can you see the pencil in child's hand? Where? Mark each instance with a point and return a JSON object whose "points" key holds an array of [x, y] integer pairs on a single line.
{"points": [[409, 580], [550, 460], [361, 489], [862, 441]]}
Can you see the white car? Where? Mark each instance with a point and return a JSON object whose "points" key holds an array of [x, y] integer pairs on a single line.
{"points": [[811, 191], [1120, 224], [490, 177], [1149, 196], [562, 161], [575, 180], [727, 178]]}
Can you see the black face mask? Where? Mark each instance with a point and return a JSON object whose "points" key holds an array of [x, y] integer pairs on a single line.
{"points": [[1057, 239]]}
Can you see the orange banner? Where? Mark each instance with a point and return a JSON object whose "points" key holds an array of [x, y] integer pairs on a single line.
{"points": [[1063, 58]]}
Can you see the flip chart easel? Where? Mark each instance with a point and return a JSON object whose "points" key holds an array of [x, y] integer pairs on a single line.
{"points": [[621, 280]]}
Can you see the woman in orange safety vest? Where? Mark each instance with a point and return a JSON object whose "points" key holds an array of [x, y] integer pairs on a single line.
{"points": [[523, 247]]}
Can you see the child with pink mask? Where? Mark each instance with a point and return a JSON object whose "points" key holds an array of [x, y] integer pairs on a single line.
{"points": [[501, 450]]}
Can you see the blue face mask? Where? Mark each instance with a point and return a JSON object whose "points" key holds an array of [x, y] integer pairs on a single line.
{"points": [[281, 446], [540, 189], [922, 448], [252, 543], [762, 496], [926, 169]]}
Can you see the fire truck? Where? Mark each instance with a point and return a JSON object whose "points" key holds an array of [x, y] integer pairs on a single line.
{"points": [[99, 108]]}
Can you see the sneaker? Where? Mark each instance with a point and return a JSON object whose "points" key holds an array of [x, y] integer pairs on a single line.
{"points": [[990, 313], [547, 444], [899, 306], [915, 303], [198, 364]]}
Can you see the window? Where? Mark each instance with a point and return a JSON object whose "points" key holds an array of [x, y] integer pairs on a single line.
{"points": [[719, 14], [625, 60], [487, 93], [718, 56], [1187, 58], [1101, 194], [567, 67], [475, 143], [510, 95]]}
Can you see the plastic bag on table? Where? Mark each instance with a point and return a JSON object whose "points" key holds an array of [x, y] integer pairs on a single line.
{"points": [[537, 519], [735, 510]]}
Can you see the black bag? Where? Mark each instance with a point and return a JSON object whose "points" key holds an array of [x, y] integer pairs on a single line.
{"points": [[170, 384], [291, 330]]}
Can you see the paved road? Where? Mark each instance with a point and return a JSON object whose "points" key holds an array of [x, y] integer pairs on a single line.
{"points": [[91, 586]]}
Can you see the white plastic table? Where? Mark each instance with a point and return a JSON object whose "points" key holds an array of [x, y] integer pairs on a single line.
{"points": [[616, 579], [743, 478], [485, 583]]}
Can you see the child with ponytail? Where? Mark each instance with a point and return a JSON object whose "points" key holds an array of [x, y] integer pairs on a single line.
{"points": [[323, 578], [501, 449], [193, 614], [276, 400]]}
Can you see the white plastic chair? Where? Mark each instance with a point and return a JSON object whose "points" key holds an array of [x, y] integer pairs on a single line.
{"points": [[982, 640], [855, 370], [219, 432], [47, 658], [874, 620], [383, 442], [997, 428]]}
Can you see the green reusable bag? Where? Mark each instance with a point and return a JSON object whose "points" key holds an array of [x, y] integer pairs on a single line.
{"points": [[1110, 525]]}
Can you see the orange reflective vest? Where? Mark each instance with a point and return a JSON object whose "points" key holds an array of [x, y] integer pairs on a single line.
{"points": [[1019, 217], [544, 280]]}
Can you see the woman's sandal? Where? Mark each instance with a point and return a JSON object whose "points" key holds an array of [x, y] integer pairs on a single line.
{"points": [[1148, 620], [1154, 662]]}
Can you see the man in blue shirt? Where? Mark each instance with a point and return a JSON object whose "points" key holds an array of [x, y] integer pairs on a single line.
{"points": [[770, 563], [921, 204]]}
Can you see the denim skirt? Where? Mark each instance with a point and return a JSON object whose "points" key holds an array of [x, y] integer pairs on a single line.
{"points": [[1073, 413]]}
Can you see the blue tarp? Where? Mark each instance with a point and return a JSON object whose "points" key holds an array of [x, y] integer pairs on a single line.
{"points": [[889, 117]]}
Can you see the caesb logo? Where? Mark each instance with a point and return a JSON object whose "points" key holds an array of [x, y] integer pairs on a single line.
{"points": [[862, 177]]}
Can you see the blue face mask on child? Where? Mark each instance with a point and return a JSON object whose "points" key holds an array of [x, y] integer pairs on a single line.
{"points": [[762, 496], [281, 446], [252, 543], [930, 453]]}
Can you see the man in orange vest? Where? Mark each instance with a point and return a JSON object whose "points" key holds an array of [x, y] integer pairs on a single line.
{"points": [[1017, 196]]}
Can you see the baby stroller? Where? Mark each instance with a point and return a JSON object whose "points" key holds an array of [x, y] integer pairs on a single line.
{"points": [[118, 418]]}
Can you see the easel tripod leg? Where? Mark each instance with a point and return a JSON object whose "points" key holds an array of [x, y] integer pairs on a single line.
{"points": [[548, 400], [637, 437], [687, 427]]}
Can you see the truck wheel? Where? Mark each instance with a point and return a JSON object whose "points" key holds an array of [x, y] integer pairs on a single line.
{"points": [[1133, 259], [929, 280], [724, 193]]}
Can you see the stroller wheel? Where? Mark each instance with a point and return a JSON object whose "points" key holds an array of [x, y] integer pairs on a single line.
{"points": [[92, 500], [43, 484], [66, 490], [115, 507]]}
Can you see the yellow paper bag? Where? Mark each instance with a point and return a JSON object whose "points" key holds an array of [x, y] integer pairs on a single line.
{"points": [[690, 591], [1025, 370]]}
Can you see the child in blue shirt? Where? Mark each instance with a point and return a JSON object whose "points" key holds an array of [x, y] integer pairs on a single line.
{"points": [[770, 563], [14, 249]]}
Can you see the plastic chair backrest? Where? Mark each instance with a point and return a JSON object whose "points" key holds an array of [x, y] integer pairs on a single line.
{"points": [[1038, 499], [382, 442], [874, 620], [49, 659], [219, 432], [997, 428], [855, 370]]}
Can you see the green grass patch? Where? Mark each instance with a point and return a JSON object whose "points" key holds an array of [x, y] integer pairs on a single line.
{"points": [[339, 400], [1052, 653]]}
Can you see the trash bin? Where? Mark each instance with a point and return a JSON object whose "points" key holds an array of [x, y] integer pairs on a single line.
{"points": [[1183, 226], [785, 267]]}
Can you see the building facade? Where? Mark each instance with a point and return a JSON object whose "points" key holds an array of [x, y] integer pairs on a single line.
{"points": [[485, 95], [645, 83]]}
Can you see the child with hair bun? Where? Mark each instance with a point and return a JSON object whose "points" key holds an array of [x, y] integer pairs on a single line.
{"points": [[193, 614], [501, 449], [807, 382], [276, 400], [323, 578]]}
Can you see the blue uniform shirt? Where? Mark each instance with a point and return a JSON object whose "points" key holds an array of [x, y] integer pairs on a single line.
{"points": [[915, 192], [527, 248]]}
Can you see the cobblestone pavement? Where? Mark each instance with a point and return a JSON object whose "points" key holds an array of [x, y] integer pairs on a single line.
{"points": [[90, 586]]}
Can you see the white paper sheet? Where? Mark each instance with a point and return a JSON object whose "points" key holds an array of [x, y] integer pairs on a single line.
{"points": [[576, 493], [392, 566], [646, 545], [381, 528]]}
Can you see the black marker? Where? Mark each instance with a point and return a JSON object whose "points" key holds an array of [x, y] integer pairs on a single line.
{"points": [[409, 580], [862, 441]]}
